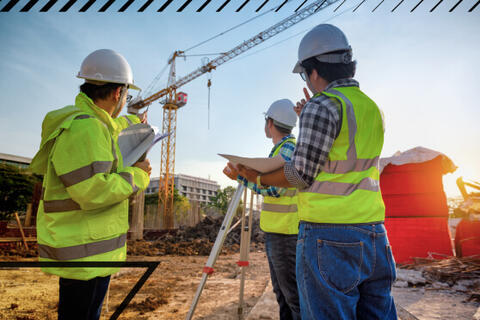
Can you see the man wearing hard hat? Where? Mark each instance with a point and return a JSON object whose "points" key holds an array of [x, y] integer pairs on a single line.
{"points": [[83, 212], [345, 268], [279, 217]]}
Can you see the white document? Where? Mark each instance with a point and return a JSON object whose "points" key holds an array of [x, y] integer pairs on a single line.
{"points": [[136, 140], [262, 165]]}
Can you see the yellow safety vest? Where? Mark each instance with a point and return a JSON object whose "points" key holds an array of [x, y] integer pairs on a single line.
{"points": [[347, 188], [280, 215], [83, 213]]}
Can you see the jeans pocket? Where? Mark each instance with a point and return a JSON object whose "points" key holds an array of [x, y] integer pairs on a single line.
{"points": [[340, 263], [391, 264]]}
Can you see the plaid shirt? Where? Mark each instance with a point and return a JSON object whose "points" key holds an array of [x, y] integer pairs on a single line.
{"points": [[286, 152], [320, 124]]}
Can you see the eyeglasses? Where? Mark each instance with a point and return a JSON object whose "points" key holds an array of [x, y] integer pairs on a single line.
{"points": [[303, 73], [129, 98]]}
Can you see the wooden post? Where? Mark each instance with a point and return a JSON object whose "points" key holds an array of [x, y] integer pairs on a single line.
{"points": [[21, 230], [28, 217], [136, 226]]}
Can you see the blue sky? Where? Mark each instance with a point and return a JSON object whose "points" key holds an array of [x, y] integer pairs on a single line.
{"points": [[421, 68]]}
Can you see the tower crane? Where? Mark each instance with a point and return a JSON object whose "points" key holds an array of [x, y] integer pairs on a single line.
{"points": [[173, 100]]}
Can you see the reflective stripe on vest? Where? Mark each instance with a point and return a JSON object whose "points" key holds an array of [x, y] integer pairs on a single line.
{"points": [[130, 122], [282, 208], [290, 193], [82, 250], [341, 188], [50, 206], [86, 172], [129, 178]]}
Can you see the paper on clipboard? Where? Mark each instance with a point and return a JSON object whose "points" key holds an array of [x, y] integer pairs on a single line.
{"points": [[135, 142], [262, 165]]}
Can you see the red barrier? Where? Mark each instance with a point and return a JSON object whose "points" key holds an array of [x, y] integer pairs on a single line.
{"points": [[418, 237], [467, 238], [414, 189]]}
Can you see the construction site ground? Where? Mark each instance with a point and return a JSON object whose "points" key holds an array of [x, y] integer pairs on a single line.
{"points": [[29, 294]]}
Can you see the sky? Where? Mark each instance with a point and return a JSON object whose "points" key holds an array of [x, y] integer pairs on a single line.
{"points": [[420, 67]]}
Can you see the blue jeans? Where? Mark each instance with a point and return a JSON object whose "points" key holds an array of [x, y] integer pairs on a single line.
{"points": [[82, 300], [281, 260], [345, 272]]}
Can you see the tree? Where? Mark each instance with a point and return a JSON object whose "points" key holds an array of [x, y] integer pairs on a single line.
{"points": [[222, 199], [16, 189], [181, 205]]}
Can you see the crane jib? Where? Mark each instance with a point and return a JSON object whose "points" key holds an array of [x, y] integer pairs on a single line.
{"points": [[246, 45]]}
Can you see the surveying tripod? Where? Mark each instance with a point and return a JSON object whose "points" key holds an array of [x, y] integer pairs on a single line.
{"points": [[217, 247]]}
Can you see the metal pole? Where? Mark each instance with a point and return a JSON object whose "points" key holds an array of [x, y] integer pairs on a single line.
{"points": [[244, 253], [208, 269], [242, 257]]}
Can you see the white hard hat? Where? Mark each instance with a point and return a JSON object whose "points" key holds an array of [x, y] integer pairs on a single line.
{"points": [[321, 40], [104, 66], [282, 113]]}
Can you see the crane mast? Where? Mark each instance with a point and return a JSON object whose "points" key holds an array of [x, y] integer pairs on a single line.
{"points": [[166, 182]]}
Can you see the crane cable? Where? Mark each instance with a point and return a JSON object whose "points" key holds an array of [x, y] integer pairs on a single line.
{"points": [[290, 37], [157, 78], [209, 84], [233, 28], [154, 81]]}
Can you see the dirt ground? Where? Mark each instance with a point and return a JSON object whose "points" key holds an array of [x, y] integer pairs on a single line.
{"points": [[29, 294]]}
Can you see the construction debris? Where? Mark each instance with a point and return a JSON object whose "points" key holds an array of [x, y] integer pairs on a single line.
{"points": [[457, 274], [197, 240]]}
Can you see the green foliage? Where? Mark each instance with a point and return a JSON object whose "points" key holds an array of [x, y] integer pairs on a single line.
{"points": [[222, 199], [16, 189], [153, 198], [181, 205]]}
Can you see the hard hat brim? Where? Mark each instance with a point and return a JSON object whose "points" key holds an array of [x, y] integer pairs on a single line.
{"points": [[298, 68]]}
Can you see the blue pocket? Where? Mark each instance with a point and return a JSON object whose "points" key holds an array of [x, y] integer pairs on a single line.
{"points": [[340, 263]]}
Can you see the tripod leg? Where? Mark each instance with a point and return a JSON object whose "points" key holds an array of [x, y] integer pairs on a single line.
{"points": [[217, 247], [244, 252]]}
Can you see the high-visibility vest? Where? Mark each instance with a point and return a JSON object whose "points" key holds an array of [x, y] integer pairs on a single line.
{"points": [[83, 212], [280, 215], [347, 188]]}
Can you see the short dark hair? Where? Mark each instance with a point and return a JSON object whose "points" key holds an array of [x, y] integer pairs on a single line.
{"points": [[330, 71], [280, 129], [96, 92]]}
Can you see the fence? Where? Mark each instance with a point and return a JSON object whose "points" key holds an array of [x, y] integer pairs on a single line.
{"points": [[154, 219]]}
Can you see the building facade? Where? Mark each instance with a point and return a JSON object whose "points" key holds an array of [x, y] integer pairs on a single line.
{"points": [[194, 188], [13, 160]]}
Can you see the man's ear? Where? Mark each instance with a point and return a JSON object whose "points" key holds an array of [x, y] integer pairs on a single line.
{"points": [[314, 75], [117, 93]]}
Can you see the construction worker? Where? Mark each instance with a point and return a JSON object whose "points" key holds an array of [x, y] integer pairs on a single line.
{"points": [[345, 268], [83, 213], [279, 217]]}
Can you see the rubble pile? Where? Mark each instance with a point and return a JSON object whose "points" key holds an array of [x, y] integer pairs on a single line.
{"points": [[17, 249], [457, 274], [186, 241], [197, 240]]}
